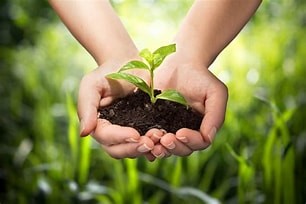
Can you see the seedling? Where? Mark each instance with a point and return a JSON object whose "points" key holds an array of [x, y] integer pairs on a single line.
{"points": [[153, 60]]}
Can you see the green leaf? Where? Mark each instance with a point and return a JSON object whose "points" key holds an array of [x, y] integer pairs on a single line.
{"points": [[161, 53], [140, 83], [157, 60], [172, 95], [147, 55], [165, 50], [135, 64]]}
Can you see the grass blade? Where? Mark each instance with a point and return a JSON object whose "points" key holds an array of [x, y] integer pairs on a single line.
{"points": [[73, 137], [84, 164]]}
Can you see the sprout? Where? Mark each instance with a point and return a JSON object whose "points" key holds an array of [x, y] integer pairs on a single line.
{"points": [[153, 60]]}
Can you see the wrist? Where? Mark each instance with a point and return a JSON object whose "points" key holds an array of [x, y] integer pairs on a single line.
{"points": [[184, 59], [118, 55], [190, 49]]}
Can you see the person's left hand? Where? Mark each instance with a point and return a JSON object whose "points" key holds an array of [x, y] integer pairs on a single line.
{"points": [[118, 141]]}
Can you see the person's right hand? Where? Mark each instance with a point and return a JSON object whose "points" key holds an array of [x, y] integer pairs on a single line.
{"points": [[96, 91], [203, 91]]}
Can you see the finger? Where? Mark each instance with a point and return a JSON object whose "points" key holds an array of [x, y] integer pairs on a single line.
{"points": [[109, 134], [130, 150], [88, 103], [215, 108], [174, 146], [155, 134], [150, 157], [160, 151], [191, 138]]}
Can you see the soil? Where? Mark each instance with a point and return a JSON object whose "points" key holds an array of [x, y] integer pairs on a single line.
{"points": [[137, 111]]}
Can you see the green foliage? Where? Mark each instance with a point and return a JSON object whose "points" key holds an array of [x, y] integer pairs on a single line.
{"points": [[153, 61], [140, 83]]}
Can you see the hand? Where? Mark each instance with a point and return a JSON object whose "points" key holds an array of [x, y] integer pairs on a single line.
{"points": [[96, 91], [204, 92]]}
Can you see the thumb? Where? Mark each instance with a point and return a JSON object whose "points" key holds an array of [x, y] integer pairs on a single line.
{"points": [[88, 122], [88, 103], [215, 108]]}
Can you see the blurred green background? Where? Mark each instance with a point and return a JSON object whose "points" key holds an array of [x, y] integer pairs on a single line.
{"points": [[258, 156]]}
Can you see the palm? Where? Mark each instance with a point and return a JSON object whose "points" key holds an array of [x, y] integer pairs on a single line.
{"points": [[203, 92], [96, 91], [196, 84]]}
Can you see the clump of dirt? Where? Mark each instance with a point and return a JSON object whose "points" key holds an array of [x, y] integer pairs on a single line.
{"points": [[137, 111]]}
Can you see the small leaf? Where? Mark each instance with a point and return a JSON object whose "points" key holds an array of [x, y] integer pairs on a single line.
{"points": [[140, 83], [172, 95], [147, 55], [135, 64], [157, 60], [161, 53], [165, 50]]}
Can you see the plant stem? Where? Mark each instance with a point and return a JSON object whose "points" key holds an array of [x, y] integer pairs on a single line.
{"points": [[152, 85]]}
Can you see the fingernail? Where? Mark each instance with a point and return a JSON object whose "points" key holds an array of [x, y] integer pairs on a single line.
{"points": [[143, 148], [171, 145], [211, 134], [82, 128], [160, 156], [163, 131], [156, 136], [132, 140], [182, 139]]}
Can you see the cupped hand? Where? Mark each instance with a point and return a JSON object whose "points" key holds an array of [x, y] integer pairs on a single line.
{"points": [[204, 93], [96, 91]]}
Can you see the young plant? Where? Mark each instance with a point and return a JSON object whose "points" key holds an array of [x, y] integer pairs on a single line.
{"points": [[153, 60]]}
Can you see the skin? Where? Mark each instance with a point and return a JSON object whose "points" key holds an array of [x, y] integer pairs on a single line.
{"points": [[111, 48], [187, 69], [206, 30], [119, 142]]}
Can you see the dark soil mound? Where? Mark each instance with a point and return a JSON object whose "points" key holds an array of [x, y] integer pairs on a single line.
{"points": [[137, 111]]}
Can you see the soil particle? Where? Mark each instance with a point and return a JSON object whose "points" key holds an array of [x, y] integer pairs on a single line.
{"points": [[137, 111]]}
